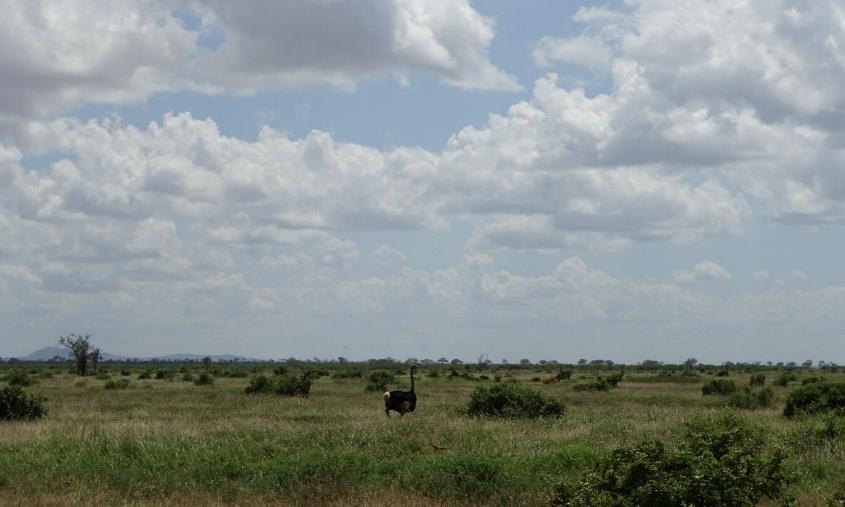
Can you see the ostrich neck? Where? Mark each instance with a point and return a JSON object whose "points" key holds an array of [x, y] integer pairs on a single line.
{"points": [[412, 380]]}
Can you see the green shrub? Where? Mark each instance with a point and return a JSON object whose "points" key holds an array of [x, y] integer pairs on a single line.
{"points": [[758, 379], [749, 400], [378, 380], [280, 370], [204, 379], [815, 398], [723, 373], [121, 383], [818, 432], [718, 386], [102, 375], [596, 385], [563, 374], [144, 375], [19, 378], [785, 378], [811, 380], [15, 404], [512, 401], [259, 384], [236, 373], [723, 460], [187, 377], [125, 372], [289, 385], [165, 375]]}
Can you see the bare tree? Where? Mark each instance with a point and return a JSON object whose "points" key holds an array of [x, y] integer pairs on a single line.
{"points": [[80, 347], [94, 358]]}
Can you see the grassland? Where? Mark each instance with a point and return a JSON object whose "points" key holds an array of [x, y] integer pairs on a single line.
{"points": [[171, 442]]}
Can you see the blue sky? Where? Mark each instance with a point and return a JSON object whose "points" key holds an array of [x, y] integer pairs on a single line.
{"points": [[539, 179]]}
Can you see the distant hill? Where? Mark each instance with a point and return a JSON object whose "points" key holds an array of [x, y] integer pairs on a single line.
{"points": [[48, 353]]}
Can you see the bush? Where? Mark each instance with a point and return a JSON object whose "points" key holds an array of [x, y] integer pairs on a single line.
{"points": [[280, 370], [749, 400], [785, 378], [758, 379], [563, 374], [122, 383], [17, 405], [144, 375], [188, 377], [204, 379], [723, 460], [19, 378], [103, 375], [812, 380], [513, 401], [285, 385], [596, 385], [718, 386], [165, 375], [124, 372], [379, 379], [815, 398], [288, 385], [723, 373], [259, 384]]}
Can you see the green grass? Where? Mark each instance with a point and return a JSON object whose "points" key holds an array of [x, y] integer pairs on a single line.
{"points": [[165, 441]]}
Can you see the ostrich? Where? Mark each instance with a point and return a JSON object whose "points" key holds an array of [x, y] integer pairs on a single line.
{"points": [[401, 401]]}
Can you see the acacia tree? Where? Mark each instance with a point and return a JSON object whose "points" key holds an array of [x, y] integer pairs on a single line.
{"points": [[80, 347]]}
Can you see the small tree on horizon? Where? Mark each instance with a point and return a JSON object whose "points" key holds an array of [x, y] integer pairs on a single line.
{"points": [[80, 348]]}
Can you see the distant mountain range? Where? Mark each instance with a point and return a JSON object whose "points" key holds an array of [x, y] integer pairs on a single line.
{"points": [[48, 353]]}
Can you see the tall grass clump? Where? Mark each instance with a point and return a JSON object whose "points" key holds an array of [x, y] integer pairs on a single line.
{"points": [[116, 384], [722, 460], [718, 387], [16, 405], [816, 397], [512, 401]]}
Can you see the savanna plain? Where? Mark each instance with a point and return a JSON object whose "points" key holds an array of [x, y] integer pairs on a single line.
{"points": [[156, 437]]}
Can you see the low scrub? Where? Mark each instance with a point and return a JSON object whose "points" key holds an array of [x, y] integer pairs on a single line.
{"points": [[115, 384], [19, 378], [512, 401], [758, 379], [815, 398], [718, 387], [601, 383], [204, 379], [378, 380], [16, 405], [722, 460], [785, 378], [285, 385], [748, 399]]}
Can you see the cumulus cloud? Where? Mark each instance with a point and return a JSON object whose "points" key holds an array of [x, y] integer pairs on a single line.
{"points": [[57, 56], [706, 271], [585, 51]]}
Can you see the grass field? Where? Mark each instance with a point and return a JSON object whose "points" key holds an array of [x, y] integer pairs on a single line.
{"points": [[163, 442]]}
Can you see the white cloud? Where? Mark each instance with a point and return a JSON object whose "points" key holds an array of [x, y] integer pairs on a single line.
{"points": [[585, 51], [57, 56], [706, 270]]}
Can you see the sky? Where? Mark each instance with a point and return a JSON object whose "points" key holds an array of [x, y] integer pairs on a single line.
{"points": [[624, 180]]}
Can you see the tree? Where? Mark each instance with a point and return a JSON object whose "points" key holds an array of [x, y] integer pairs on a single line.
{"points": [[442, 360], [582, 362], [525, 362], [206, 361], [94, 358], [457, 361], [80, 348], [690, 362]]}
